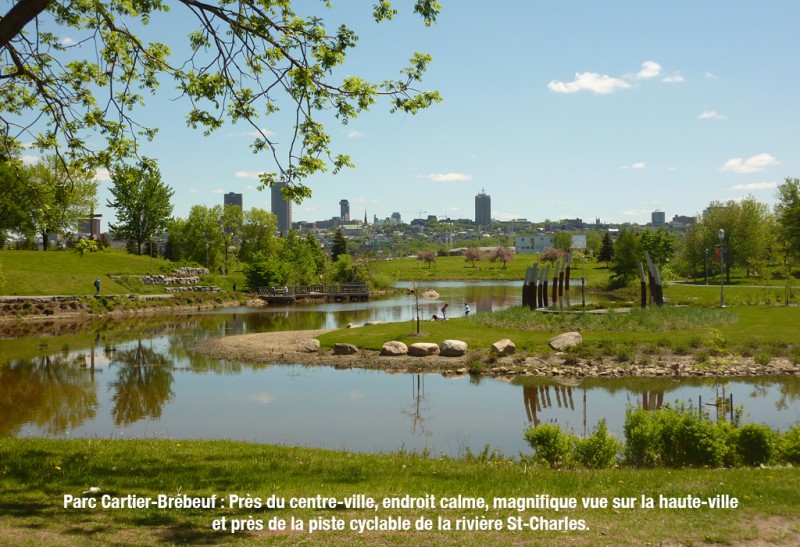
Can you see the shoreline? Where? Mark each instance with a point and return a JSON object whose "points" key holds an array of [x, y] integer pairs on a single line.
{"points": [[285, 347]]}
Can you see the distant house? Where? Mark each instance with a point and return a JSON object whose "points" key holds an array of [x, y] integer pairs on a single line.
{"points": [[536, 244]]}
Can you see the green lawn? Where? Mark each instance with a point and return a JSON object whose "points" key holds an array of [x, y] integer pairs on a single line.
{"points": [[37, 474], [39, 273]]}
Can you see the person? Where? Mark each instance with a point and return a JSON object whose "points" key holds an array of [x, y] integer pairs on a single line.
{"points": [[466, 309], [97, 285], [234, 286], [435, 317], [444, 312]]}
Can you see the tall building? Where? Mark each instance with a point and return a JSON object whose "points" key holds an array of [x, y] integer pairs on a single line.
{"points": [[344, 206], [232, 198], [281, 208], [483, 209], [658, 218]]}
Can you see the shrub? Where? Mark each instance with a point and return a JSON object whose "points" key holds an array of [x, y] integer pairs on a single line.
{"points": [[790, 446], [755, 444], [599, 450], [551, 445]]}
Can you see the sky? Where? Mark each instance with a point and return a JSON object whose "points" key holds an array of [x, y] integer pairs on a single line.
{"points": [[556, 109]]}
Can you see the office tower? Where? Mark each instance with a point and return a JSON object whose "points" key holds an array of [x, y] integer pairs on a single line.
{"points": [[232, 198], [281, 208], [658, 218], [344, 205], [483, 209]]}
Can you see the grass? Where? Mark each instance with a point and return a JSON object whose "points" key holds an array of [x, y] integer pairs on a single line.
{"points": [[39, 273], [36, 474]]}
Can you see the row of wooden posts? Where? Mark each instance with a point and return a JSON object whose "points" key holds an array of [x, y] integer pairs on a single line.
{"points": [[535, 287]]}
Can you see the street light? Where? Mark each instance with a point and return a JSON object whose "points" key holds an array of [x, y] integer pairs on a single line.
{"points": [[721, 235], [706, 265]]}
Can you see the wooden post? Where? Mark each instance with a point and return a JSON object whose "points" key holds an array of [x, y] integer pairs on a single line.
{"points": [[569, 268], [643, 285]]}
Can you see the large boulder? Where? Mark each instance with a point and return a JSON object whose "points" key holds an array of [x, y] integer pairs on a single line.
{"points": [[563, 341], [394, 348], [423, 349], [504, 347], [453, 348], [310, 345], [344, 349]]}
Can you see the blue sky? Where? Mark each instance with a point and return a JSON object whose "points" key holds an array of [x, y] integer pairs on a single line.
{"points": [[557, 109]]}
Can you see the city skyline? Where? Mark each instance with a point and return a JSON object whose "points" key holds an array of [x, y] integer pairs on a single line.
{"points": [[561, 110]]}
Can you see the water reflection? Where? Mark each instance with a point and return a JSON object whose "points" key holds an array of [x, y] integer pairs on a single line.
{"points": [[139, 377]]}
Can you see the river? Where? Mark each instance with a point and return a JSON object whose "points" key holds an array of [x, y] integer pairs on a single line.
{"points": [[137, 378]]}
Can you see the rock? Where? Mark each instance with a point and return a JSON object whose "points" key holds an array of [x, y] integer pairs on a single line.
{"points": [[310, 345], [423, 349], [394, 348], [563, 341], [344, 349], [453, 348], [504, 347]]}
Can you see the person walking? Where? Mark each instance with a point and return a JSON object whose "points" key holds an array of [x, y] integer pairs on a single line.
{"points": [[444, 312], [466, 309], [97, 285]]}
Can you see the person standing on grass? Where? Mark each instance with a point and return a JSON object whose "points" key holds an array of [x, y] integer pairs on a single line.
{"points": [[466, 309], [97, 285], [444, 312]]}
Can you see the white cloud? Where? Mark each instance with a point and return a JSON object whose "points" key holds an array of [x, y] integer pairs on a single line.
{"points": [[447, 177], [354, 134], [251, 133], [102, 175], [28, 159], [589, 81], [674, 79], [650, 69], [637, 165], [637, 213], [711, 76], [248, 174], [218, 191], [711, 115], [67, 41], [752, 164], [755, 186]]}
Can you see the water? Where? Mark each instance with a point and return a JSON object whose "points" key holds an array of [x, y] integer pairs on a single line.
{"points": [[139, 378]]}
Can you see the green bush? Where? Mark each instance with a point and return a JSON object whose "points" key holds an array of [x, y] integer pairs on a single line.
{"points": [[551, 445], [599, 450], [755, 444], [789, 446]]}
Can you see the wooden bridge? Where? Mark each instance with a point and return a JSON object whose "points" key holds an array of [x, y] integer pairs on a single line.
{"points": [[336, 292]]}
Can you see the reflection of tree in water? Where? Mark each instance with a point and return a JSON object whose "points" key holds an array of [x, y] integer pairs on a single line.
{"points": [[416, 408], [143, 385], [51, 391]]}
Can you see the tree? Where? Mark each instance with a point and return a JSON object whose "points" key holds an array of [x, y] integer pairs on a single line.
{"points": [[606, 249], [339, 245], [258, 234], [659, 244], [593, 242], [562, 241], [472, 255], [244, 60], [503, 254], [627, 257], [427, 256], [787, 214], [230, 228], [551, 254], [200, 239], [58, 201], [141, 200]]}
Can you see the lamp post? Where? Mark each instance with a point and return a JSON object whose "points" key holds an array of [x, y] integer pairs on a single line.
{"points": [[721, 235], [706, 265]]}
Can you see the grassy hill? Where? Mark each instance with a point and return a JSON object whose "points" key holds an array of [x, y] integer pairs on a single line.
{"points": [[69, 273]]}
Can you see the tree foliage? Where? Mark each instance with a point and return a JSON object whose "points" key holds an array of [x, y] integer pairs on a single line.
{"points": [[606, 249], [241, 62], [502, 254], [787, 214], [339, 247], [258, 233], [627, 257], [141, 200], [472, 255], [562, 241], [427, 256]]}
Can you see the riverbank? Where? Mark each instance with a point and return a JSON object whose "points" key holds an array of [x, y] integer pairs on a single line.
{"points": [[292, 347]]}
